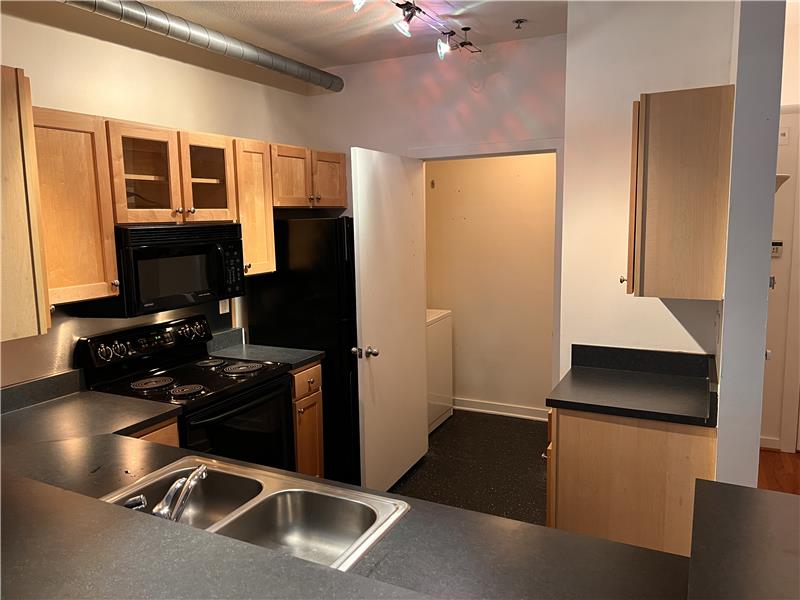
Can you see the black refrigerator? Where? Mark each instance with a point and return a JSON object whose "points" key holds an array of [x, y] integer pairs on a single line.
{"points": [[309, 302]]}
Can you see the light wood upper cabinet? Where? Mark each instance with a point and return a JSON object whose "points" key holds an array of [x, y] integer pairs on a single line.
{"points": [[681, 155], [254, 199], [207, 177], [291, 176], [308, 435], [145, 173], [25, 306], [330, 180], [77, 210]]}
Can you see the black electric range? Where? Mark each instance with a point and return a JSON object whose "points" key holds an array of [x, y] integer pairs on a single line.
{"points": [[237, 409]]}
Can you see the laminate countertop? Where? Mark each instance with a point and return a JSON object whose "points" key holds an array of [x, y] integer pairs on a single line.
{"points": [[295, 357], [433, 550], [745, 543], [80, 414], [662, 386]]}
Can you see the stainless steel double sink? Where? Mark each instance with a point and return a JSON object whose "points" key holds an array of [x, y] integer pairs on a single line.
{"points": [[311, 520]]}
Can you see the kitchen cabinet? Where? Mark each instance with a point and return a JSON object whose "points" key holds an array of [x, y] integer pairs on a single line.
{"points": [[307, 404], [77, 210], [254, 203], [303, 178], [291, 176], [24, 279], [207, 177], [680, 172], [329, 179], [165, 433], [627, 479], [145, 173]]}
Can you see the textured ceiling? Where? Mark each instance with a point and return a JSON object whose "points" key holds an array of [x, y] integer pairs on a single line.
{"points": [[325, 33]]}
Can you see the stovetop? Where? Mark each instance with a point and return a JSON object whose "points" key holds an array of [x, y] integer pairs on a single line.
{"points": [[196, 383]]}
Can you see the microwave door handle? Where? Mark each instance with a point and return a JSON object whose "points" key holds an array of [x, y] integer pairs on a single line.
{"points": [[229, 414]]}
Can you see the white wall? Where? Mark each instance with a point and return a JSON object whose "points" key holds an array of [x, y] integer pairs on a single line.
{"points": [[419, 106], [490, 230], [616, 51], [755, 131], [70, 71]]}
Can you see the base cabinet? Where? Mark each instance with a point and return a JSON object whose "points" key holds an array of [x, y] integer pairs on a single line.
{"points": [[307, 406], [165, 433], [628, 480]]}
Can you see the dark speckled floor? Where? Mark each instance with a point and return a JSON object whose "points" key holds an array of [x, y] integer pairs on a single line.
{"points": [[487, 463]]}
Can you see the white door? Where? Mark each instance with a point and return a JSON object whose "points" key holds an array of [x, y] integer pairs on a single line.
{"points": [[389, 227]]}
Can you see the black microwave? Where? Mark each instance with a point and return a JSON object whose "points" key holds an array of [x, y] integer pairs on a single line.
{"points": [[164, 267]]}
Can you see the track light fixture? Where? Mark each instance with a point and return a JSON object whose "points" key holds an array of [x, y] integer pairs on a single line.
{"points": [[357, 4], [443, 46], [410, 11]]}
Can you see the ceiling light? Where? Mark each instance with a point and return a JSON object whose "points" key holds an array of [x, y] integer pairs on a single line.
{"points": [[402, 27], [443, 46], [357, 4]]}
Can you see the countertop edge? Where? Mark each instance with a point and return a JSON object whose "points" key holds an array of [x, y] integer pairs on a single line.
{"points": [[630, 412]]}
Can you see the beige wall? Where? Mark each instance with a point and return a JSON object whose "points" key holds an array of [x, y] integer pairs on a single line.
{"points": [[490, 243], [790, 88]]}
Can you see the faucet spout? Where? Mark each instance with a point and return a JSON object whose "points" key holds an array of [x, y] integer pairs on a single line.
{"points": [[183, 498]]}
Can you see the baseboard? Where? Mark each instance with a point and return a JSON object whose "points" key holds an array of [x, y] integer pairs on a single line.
{"points": [[497, 408], [770, 443]]}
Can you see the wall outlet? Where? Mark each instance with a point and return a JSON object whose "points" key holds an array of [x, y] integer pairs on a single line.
{"points": [[224, 307], [783, 136]]}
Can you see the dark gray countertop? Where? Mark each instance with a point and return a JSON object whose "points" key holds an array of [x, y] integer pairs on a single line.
{"points": [[81, 414], [745, 543], [657, 396], [293, 356], [434, 549], [58, 544]]}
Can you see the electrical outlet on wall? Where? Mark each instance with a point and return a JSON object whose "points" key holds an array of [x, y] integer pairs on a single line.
{"points": [[224, 307]]}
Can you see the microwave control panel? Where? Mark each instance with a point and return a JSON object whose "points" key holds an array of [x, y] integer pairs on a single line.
{"points": [[233, 284]]}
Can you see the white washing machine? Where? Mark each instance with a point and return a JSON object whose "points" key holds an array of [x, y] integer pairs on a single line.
{"points": [[439, 340]]}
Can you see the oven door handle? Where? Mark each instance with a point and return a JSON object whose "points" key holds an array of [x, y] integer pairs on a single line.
{"points": [[230, 413]]}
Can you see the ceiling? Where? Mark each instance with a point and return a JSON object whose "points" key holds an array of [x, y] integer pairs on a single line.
{"points": [[328, 33]]}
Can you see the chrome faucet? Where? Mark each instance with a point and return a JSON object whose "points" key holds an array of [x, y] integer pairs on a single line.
{"points": [[184, 485]]}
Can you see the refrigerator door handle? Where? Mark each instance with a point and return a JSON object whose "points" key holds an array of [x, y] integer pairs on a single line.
{"points": [[357, 352]]}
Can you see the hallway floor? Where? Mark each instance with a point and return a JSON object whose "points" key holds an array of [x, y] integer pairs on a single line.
{"points": [[779, 471], [486, 463]]}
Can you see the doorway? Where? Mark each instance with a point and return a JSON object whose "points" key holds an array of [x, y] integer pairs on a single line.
{"points": [[491, 257]]}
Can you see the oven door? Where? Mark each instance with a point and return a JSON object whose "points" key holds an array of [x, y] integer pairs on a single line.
{"points": [[255, 427], [168, 277]]}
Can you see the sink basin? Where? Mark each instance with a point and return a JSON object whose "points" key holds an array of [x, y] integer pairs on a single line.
{"points": [[309, 525], [212, 499], [309, 519]]}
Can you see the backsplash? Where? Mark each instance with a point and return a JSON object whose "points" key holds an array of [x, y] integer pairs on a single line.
{"points": [[41, 356]]}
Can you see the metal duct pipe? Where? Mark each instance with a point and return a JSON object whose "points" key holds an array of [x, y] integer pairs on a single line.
{"points": [[174, 27]]}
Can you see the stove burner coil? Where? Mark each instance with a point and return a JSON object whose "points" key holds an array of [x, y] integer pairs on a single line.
{"points": [[152, 384], [211, 362], [242, 369], [186, 391]]}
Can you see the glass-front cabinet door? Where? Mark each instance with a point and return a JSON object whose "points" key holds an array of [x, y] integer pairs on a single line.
{"points": [[207, 177], [145, 173]]}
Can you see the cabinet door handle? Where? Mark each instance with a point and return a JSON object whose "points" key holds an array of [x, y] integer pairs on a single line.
{"points": [[311, 199], [115, 283], [311, 382], [317, 197], [192, 210], [179, 210], [300, 411]]}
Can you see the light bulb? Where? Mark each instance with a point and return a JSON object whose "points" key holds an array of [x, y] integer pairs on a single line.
{"points": [[357, 4], [442, 48], [402, 27]]}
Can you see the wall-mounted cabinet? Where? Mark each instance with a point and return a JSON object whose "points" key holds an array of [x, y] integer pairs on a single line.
{"points": [[680, 174], [77, 210], [24, 280], [254, 198], [303, 178], [145, 173], [329, 179], [207, 177]]}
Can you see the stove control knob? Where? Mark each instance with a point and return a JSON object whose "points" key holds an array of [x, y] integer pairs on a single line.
{"points": [[104, 352], [119, 349], [198, 329], [186, 332]]}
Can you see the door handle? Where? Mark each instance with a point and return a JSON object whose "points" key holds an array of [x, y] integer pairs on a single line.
{"points": [[370, 351]]}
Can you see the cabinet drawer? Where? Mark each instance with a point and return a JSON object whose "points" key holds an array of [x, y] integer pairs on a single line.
{"points": [[307, 382], [165, 433]]}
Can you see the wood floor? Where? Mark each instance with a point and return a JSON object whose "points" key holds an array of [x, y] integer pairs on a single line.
{"points": [[779, 471]]}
